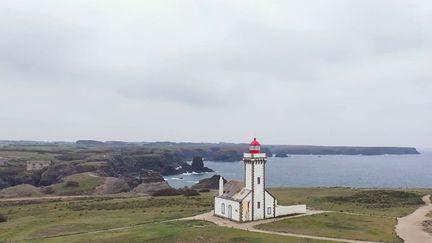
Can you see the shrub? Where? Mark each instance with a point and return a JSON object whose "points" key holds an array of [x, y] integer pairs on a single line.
{"points": [[204, 190], [3, 218], [380, 198], [47, 190], [190, 192], [72, 184], [166, 192], [72, 156]]}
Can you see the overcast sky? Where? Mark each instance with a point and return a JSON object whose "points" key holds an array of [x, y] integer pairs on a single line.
{"points": [[288, 72]]}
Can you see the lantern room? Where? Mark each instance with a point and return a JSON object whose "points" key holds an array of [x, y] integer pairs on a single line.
{"points": [[254, 147]]}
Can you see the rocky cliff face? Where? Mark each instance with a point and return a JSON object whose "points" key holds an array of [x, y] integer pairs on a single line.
{"points": [[135, 164], [197, 166], [208, 183], [150, 176], [166, 164]]}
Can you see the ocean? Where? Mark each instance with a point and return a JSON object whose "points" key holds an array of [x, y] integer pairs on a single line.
{"points": [[384, 171]]}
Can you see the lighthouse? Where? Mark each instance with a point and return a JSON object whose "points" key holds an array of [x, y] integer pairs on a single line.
{"points": [[250, 200], [254, 163]]}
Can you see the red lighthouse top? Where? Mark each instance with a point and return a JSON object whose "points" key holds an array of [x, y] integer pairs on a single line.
{"points": [[254, 147]]}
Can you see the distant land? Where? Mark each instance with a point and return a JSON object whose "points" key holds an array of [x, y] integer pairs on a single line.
{"points": [[235, 150]]}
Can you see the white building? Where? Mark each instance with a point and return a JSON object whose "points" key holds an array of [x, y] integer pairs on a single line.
{"points": [[250, 201]]}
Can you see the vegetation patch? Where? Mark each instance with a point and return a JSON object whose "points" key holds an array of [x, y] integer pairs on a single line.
{"points": [[389, 203], [166, 192], [190, 193], [380, 198], [83, 183], [162, 202], [54, 218], [427, 226], [23, 190], [3, 218], [72, 156], [182, 231], [71, 184]]}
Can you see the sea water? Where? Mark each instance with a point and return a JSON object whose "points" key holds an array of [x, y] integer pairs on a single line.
{"points": [[390, 171]]}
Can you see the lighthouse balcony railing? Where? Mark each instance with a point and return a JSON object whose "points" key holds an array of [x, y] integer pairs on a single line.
{"points": [[252, 156]]}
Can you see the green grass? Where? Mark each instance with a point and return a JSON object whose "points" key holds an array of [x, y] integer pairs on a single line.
{"points": [[47, 219], [179, 231], [391, 203], [339, 225], [87, 183], [54, 219]]}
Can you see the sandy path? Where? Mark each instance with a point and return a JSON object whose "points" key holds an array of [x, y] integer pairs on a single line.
{"points": [[250, 226], [14, 199], [409, 228]]}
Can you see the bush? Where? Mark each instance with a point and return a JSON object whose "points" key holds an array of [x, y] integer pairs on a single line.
{"points": [[72, 184], [204, 190], [47, 190], [190, 192], [3, 218], [166, 192], [72, 156], [380, 198]]}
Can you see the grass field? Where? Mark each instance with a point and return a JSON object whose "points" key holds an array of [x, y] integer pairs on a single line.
{"points": [[339, 225], [184, 231], [402, 203], [38, 220], [51, 221], [366, 214]]}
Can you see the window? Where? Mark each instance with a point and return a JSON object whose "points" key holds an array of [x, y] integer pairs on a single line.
{"points": [[223, 208], [259, 180], [258, 204], [269, 210]]}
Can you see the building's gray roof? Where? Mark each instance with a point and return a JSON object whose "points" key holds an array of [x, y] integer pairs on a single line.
{"points": [[235, 190]]}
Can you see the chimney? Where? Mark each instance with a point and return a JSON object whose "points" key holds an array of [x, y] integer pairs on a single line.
{"points": [[221, 184]]}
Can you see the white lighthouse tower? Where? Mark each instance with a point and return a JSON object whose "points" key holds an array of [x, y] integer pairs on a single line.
{"points": [[254, 163]]}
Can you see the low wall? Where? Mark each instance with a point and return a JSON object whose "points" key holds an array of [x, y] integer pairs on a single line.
{"points": [[287, 210]]}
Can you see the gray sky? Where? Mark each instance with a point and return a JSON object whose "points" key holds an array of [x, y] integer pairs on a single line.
{"points": [[289, 72]]}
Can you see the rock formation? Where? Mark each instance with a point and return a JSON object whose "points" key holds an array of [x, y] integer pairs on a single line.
{"points": [[208, 183], [113, 185]]}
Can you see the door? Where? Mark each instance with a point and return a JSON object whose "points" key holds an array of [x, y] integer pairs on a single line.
{"points": [[246, 207], [229, 211]]}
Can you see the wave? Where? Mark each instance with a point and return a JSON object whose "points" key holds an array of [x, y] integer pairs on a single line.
{"points": [[173, 178], [193, 173]]}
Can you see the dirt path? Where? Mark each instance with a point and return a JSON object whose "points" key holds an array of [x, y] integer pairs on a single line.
{"points": [[250, 226], [410, 228], [16, 199]]}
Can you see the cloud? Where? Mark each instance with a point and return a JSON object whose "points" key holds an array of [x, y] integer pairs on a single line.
{"points": [[311, 72]]}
